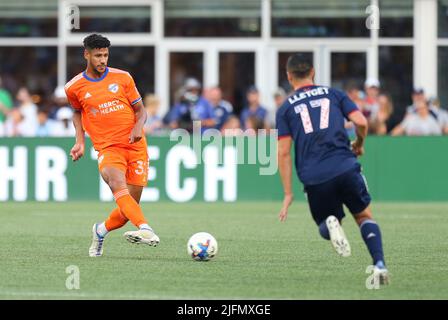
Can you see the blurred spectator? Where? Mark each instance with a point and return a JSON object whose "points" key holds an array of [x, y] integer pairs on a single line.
{"points": [[222, 109], [370, 103], [64, 123], [60, 100], [232, 127], [6, 105], [254, 108], [356, 95], [440, 114], [14, 125], [28, 110], [279, 97], [153, 124], [192, 107], [380, 120], [418, 123], [418, 94], [46, 127], [254, 123]]}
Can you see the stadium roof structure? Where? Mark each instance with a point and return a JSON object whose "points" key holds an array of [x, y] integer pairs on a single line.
{"points": [[28, 9], [219, 9]]}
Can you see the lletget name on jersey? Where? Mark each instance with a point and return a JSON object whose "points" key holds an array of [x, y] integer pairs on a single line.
{"points": [[110, 106], [307, 94]]}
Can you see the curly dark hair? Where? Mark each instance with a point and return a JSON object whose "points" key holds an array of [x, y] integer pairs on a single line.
{"points": [[96, 41]]}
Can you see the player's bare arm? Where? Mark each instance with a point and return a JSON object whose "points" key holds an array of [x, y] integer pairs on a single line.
{"points": [[78, 149], [140, 116], [361, 131], [285, 167]]}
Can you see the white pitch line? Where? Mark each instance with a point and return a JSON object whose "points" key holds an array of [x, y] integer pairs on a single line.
{"points": [[81, 295], [84, 295]]}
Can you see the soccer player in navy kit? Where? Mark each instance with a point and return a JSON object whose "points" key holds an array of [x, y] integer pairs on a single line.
{"points": [[313, 119]]}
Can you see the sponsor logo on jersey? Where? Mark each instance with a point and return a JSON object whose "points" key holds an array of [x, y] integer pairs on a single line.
{"points": [[88, 95], [110, 106]]}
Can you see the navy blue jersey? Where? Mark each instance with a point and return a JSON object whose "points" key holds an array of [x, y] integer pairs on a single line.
{"points": [[314, 118]]}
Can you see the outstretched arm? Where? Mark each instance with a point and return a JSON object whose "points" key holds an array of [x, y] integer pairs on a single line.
{"points": [[140, 116], [285, 167]]}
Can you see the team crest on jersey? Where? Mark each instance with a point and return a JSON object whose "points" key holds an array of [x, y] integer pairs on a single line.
{"points": [[113, 87]]}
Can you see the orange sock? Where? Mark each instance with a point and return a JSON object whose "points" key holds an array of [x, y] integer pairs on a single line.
{"points": [[129, 207], [116, 220]]}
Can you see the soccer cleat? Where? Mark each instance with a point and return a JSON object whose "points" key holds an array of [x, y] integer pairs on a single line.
{"points": [[145, 236], [381, 273], [337, 237], [96, 248]]}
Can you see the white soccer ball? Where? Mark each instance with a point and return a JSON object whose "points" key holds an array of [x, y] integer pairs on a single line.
{"points": [[202, 246]]}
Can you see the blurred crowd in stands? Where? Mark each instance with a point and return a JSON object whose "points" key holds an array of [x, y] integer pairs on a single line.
{"points": [[21, 115], [424, 117]]}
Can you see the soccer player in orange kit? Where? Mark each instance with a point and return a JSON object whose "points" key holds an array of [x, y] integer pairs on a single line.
{"points": [[109, 108]]}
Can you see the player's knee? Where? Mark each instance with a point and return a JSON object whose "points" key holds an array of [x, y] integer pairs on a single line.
{"points": [[363, 216], [116, 184], [323, 231], [115, 179]]}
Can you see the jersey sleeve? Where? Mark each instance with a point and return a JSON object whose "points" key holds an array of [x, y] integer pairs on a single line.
{"points": [[73, 99], [131, 91], [347, 105], [281, 124]]}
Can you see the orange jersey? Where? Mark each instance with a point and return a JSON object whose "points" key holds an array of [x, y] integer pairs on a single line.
{"points": [[106, 107]]}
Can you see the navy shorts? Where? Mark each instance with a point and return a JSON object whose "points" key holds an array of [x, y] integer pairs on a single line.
{"points": [[326, 199]]}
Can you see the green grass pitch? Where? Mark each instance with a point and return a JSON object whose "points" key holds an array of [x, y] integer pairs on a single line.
{"points": [[259, 257]]}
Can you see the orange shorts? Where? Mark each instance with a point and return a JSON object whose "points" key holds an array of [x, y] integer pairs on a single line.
{"points": [[133, 162]]}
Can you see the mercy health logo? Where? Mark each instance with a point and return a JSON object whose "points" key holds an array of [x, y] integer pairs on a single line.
{"points": [[113, 87], [110, 106]]}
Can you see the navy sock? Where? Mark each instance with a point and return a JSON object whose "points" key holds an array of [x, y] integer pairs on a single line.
{"points": [[323, 230], [371, 234]]}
